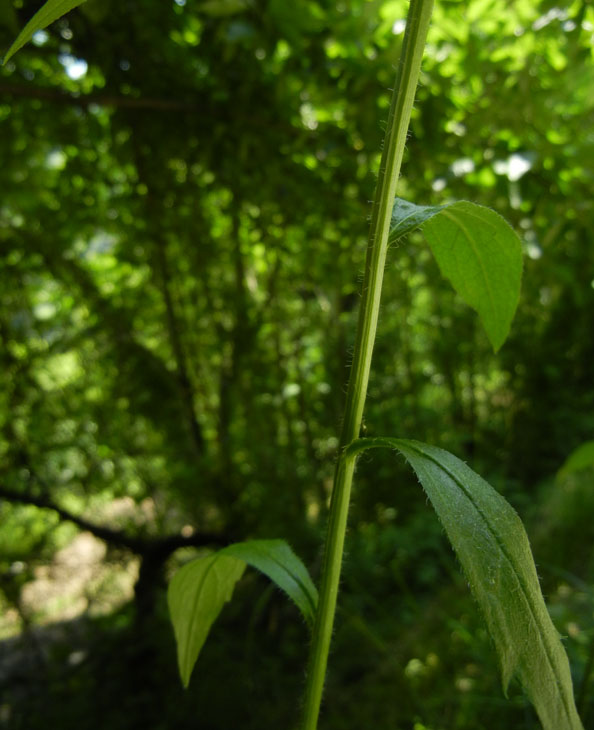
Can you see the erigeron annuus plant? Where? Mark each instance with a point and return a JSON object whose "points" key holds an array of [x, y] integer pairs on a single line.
{"points": [[482, 257]]}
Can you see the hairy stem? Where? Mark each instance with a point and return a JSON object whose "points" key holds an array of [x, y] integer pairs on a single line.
{"points": [[407, 77]]}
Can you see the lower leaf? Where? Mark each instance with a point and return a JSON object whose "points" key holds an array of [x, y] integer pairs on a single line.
{"points": [[278, 562], [196, 595], [200, 589], [492, 546]]}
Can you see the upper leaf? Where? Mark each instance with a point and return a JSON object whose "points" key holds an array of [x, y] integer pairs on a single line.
{"points": [[492, 546], [278, 562], [477, 250], [52, 10]]}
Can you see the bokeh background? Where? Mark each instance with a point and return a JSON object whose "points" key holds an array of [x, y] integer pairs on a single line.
{"points": [[184, 202]]}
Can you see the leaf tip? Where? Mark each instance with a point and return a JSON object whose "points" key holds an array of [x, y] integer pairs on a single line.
{"points": [[497, 343]]}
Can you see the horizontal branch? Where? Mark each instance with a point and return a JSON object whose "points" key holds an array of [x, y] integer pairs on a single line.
{"points": [[157, 546], [42, 93]]}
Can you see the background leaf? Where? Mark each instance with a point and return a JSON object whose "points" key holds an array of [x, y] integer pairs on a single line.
{"points": [[477, 250], [491, 543], [278, 562], [580, 458], [52, 10], [196, 595]]}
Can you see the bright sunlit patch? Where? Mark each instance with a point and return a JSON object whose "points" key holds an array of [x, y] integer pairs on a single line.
{"points": [[515, 167], [463, 166], [40, 38], [76, 68], [552, 14], [101, 244], [291, 390], [518, 165], [56, 160], [308, 116], [399, 26], [533, 250], [59, 371], [44, 311]]}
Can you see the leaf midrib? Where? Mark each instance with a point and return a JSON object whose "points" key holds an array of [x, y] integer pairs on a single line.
{"points": [[195, 613], [470, 240]]}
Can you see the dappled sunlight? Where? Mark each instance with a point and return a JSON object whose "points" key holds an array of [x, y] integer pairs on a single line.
{"points": [[78, 581], [186, 201]]}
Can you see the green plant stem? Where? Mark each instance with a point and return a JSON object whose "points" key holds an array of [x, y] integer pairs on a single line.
{"points": [[417, 24]]}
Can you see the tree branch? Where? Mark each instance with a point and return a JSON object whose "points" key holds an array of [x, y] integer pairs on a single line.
{"points": [[27, 91], [161, 546]]}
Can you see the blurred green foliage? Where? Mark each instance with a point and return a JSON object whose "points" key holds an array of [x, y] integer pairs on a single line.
{"points": [[182, 227]]}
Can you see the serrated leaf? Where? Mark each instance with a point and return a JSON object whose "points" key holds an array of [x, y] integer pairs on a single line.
{"points": [[477, 250], [407, 217], [492, 546], [580, 458], [196, 595], [200, 589], [278, 562], [46, 15]]}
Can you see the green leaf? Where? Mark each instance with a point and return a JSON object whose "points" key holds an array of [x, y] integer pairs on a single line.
{"points": [[52, 10], [492, 546], [200, 589], [580, 458], [196, 595], [406, 217], [477, 250], [278, 562]]}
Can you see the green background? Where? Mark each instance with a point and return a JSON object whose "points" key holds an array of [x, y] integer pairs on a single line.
{"points": [[184, 202]]}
